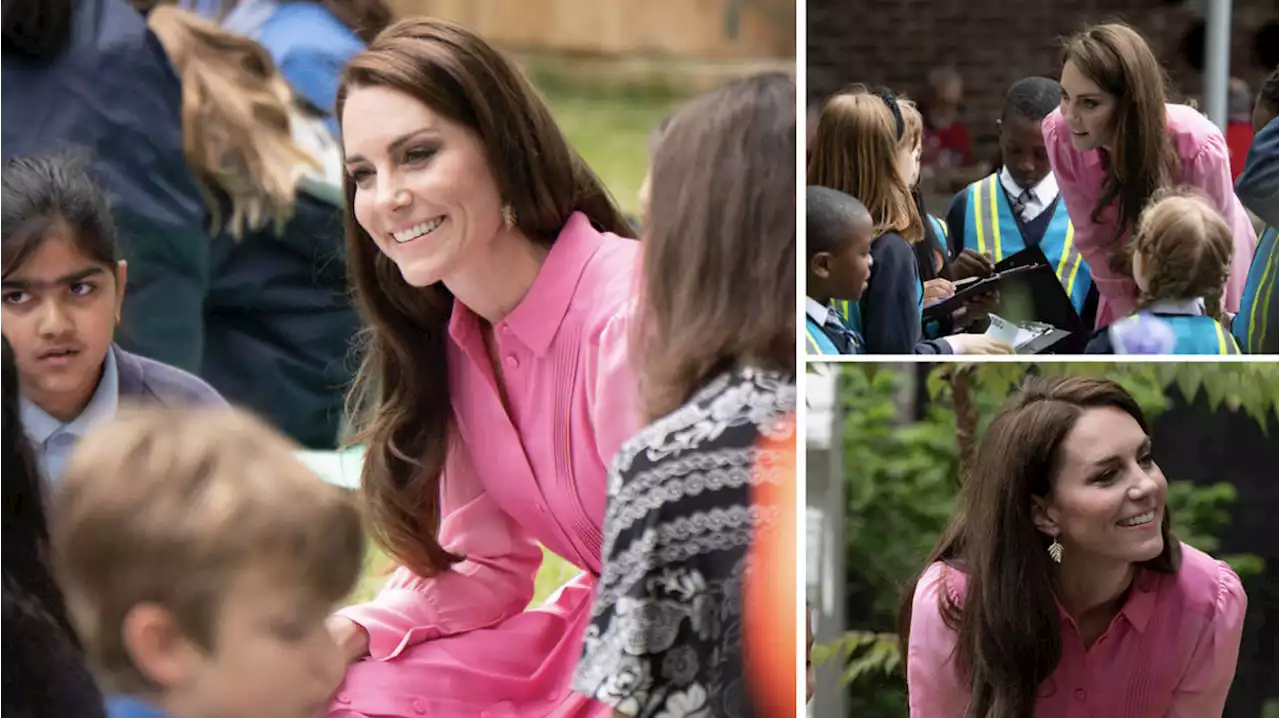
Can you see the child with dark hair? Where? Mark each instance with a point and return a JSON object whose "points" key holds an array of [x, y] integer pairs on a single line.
{"points": [[1255, 327], [838, 235], [1181, 259], [1018, 206], [44, 672], [62, 288]]}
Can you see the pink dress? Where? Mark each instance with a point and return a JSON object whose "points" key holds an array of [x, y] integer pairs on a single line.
{"points": [[462, 644], [1206, 165], [1169, 653]]}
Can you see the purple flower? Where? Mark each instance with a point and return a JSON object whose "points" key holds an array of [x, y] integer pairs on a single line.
{"points": [[1143, 333]]}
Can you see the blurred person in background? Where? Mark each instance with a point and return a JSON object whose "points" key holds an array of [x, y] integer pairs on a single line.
{"points": [[1239, 131], [45, 675], [88, 73], [714, 350], [278, 324], [309, 40], [948, 159]]}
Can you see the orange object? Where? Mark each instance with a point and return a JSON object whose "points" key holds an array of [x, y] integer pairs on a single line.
{"points": [[770, 592]]}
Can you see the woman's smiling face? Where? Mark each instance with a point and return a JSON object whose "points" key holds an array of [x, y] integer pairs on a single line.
{"points": [[1089, 111], [424, 190]]}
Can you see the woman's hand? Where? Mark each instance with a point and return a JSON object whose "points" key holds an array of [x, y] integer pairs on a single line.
{"points": [[936, 290], [350, 636]]}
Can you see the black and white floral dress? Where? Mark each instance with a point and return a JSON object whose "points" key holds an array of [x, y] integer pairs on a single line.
{"points": [[665, 638]]}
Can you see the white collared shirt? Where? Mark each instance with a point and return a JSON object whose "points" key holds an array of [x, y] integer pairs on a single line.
{"points": [[1042, 195], [1190, 307], [820, 313], [54, 440]]}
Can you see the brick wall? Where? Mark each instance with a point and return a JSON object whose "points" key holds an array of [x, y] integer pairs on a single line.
{"points": [[994, 42]]}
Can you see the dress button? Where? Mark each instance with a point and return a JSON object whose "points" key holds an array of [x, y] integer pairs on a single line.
{"points": [[512, 363], [1079, 694], [344, 698], [418, 707]]}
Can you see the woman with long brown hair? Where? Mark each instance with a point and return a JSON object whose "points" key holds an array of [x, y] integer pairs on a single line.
{"points": [[1114, 142], [714, 348], [277, 324], [494, 271], [1058, 586], [858, 149]]}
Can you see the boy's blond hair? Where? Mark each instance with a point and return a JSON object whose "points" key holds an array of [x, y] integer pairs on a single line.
{"points": [[1186, 249], [171, 506]]}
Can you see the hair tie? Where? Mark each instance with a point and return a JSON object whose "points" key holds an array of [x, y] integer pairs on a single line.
{"points": [[891, 101]]}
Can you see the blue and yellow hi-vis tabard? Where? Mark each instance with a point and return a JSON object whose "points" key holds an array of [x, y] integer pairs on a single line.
{"points": [[1255, 326], [990, 228]]}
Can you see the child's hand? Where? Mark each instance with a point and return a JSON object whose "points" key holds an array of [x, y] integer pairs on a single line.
{"points": [[350, 636], [976, 309], [972, 264], [936, 290]]}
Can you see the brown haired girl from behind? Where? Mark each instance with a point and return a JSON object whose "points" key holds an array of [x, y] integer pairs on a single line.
{"points": [[493, 270], [715, 351]]}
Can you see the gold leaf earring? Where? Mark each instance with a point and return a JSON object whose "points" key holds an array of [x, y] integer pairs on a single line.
{"points": [[508, 216], [1055, 550]]}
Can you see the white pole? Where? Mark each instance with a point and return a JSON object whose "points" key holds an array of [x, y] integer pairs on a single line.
{"points": [[1217, 60]]}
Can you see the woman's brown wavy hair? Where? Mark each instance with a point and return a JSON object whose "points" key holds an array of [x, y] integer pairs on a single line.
{"points": [[719, 285], [1142, 158], [855, 151], [400, 401], [1009, 632], [235, 122]]}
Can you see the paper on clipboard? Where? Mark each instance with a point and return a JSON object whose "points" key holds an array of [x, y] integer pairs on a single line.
{"points": [[1025, 338]]}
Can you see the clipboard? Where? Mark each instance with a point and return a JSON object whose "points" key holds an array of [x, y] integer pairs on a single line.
{"points": [[972, 287]]}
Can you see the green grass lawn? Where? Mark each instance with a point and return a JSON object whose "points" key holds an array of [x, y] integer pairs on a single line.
{"points": [[612, 135]]}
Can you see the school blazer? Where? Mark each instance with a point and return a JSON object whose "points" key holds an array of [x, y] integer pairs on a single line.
{"points": [[151, 382]]}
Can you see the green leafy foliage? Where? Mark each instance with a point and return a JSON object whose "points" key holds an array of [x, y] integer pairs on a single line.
{"points": [[901, 483]]}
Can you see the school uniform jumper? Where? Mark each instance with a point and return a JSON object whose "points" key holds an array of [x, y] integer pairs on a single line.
{"points": [[532, 472], [1205, 166]]}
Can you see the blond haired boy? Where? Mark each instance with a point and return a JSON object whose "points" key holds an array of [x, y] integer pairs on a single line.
{"points": [[200, 559]]}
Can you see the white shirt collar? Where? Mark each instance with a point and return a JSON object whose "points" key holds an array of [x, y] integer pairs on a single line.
{"points": [[1043, 194], [817, 312], [40, 425], [1192, 307]]}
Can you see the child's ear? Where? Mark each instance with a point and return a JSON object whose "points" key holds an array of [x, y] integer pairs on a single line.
{"points": [[156, 646], [820, 265]]}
